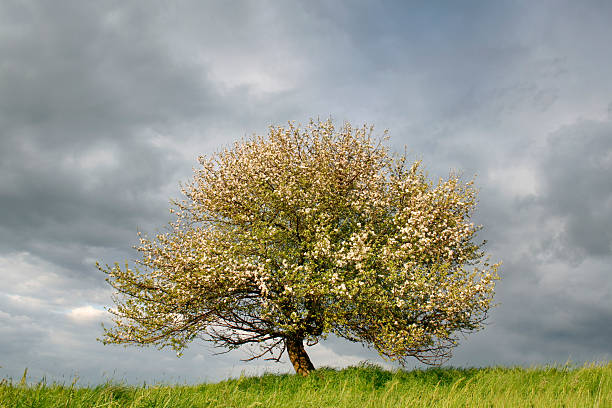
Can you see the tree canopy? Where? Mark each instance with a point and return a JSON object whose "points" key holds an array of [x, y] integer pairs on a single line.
{"points": [[284, 239]]}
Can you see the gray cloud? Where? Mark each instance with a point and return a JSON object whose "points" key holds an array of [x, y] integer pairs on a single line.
{"points": [[577, 187], [91, 99], [105, 107]]}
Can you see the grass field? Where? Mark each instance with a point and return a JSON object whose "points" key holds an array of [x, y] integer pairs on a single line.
{"points": [[364, 386]]}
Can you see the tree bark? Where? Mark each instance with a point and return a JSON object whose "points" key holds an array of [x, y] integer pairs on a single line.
{"points": [[298, 356]]}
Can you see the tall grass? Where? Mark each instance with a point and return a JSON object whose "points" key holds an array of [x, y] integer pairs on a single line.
{"points": [[363, 386]]}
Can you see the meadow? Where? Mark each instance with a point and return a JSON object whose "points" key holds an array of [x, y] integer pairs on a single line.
{"points": [[361, 386]]}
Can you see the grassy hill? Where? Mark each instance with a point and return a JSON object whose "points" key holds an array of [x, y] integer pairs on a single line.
{"points": [[364, 386]]}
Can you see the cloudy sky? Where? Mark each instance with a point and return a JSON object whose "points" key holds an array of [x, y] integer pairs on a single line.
{"points": [[104, 107]]}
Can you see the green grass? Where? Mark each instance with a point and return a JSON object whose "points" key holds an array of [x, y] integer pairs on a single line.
{"points": [[363, 386]]}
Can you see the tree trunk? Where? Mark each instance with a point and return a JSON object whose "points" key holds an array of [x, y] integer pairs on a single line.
{"points": [[300, 360]]}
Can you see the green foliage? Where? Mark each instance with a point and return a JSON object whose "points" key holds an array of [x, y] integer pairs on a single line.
{"points": [[363, 386]]}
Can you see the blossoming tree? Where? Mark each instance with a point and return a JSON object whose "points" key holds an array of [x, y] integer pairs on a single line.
{"points": [[282, 240]]}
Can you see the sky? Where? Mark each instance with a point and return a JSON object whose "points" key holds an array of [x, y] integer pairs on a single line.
{"points": [[105, 107]]}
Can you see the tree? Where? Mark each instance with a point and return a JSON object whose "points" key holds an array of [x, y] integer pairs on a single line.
{"points": [[285, 239]]}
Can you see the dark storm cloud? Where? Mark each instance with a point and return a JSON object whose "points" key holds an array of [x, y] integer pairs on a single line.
{"points": [[74, 69], [86, 91], [577, 184], [554, 296], [548, 312]]}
